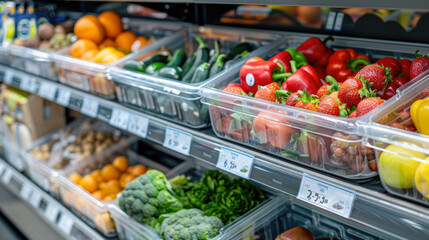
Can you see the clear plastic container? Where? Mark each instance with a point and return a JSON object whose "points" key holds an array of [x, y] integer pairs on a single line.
{"points": [[86, 204], [328, 143], [401, 151], [171, 99], [50, 155], [128, 228], [91, 76], [290, 213], [33, 61]]}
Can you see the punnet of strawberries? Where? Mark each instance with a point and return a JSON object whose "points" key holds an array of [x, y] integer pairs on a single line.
{"points": [[298, 77]]}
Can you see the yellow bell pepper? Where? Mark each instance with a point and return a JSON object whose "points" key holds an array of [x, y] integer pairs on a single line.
{"points": [[420, 115], [113, 57]]}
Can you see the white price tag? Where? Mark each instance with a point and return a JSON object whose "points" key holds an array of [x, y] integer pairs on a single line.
{"points": [[8, 74], [177, 141], [330, 21], [89, 107], [7, 175], [327, 196], [65, 223], [339, 21], [35, 198], [28, 84], [138, 125], [52, 211], [119, 119], [235, 162], [63, 97], [47, 90], [25, 190]]}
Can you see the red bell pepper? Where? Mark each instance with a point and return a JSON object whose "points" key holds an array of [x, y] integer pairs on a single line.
{"points": [[400, 81], [321, 72], [315, 51], [345, 63], [283, 58], [259, 73], [392, 65], [390, 91], [305, 78]]}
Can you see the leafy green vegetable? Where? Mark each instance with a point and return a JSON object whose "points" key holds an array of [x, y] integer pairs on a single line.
{"points": [[149, 196], [190, 224]]}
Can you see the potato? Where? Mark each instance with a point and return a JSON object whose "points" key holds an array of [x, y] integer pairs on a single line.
{"points": [[46, 31]]}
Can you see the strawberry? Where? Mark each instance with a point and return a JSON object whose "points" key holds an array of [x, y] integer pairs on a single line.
{"points": [[392, 65], [379, 76], [353, 90], [292, 99], [323, 90], [329, 106], [235, 90], [419, 65], [405, 65], [352, 114], [306, 101], [326, 89], [367, 105], [233, 85], [268, 92]]}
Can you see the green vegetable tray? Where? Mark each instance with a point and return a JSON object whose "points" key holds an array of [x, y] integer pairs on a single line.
{"points": [[128, 228]]}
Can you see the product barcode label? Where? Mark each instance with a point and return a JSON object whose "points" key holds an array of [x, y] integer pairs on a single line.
{"points": [[52, 211], [7, 175], [63, 97], [25, 191], [120, 118], [178, 141], [8, 74], [89, 107], [28, 84], [47, 90], [65, 223], [325, 195], [235, 162], [138, 125], [35, 198]]}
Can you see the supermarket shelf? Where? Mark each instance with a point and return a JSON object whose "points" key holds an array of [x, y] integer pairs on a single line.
{"points": [[384, 4], [396, 218], [52, 211]]}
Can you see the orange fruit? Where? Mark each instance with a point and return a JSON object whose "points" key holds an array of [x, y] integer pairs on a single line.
{"points": [[81, 46], [138, 170], [103, 186], [138, 43], [97, 174], [107, 43], [113, 186], [88, 27], [76, 178], [110, 197], [90, 54], [109, 172], [99, 194], [124, 40], [121, 163], [111, 22], [125, 179], [89, 183]]}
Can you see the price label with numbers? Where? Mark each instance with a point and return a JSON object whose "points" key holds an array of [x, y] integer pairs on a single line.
{"points": [[327, 196], [8, 74], [7, 175], [28, 84], [52, 211], [138, 125], [47, 90], [63, 97], [35, 198], [89, 107], [178, 141], [119, 118], [25, 191], [65, 223], [235, 162]]}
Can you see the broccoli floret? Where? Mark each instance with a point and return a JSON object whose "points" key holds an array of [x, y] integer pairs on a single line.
{"points": [[148, 196], [190, 224]]}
